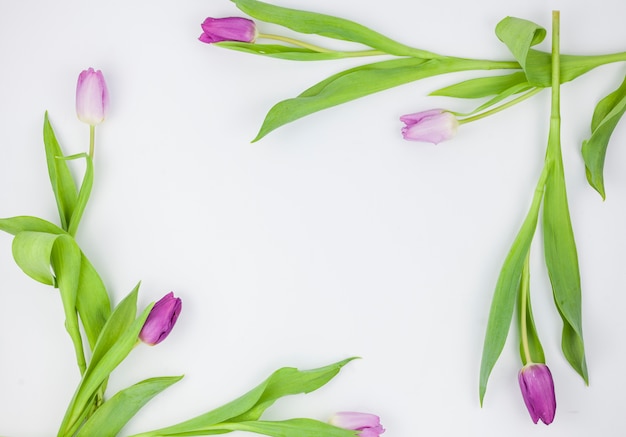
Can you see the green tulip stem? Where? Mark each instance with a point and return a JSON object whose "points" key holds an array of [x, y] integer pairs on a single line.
{"points": [[318, 49], [502, 107], [524, 290], [554, 142], [92, 139]]}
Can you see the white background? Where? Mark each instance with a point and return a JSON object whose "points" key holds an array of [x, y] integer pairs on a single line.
{"points": [[332, 237]]}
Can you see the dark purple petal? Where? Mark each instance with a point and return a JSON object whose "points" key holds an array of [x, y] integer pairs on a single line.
{"points": [[161, 320], [228, 29], [537, 387]]}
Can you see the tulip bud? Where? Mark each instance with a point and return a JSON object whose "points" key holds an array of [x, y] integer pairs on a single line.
{"points": [[432, 126], [161, 319], [368, 425], [228, 29], [92, 97], [537, 386]]}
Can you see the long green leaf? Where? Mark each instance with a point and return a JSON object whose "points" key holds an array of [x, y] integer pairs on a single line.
{"points": [[116, 412], [288, 428], [54, 259], [562, 262], [484, 86], [83, 195], [97, 373], [32, 252], [526, 321], [507, 287], [63, 184], [328, 26], [65, 260], [92, 300], [116, 326], [250, 406], [361, 81], [607, 114], [15, 225], [283, 52]]}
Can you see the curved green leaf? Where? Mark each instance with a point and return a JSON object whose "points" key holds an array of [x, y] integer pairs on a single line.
{"points": [[507, 287], [83, 195], [527, 322], [361, 81], [288, 428], [116, 412], [562, 263], [283, 52], [520, 35], [484, 86], [99, 370], [14, 225], [328, 26], [607, 114], [92, 301], [63, 185], [250, 406], [32, 252]]}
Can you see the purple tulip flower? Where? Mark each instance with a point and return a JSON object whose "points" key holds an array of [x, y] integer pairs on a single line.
{"points": [[432, 126], [228, 29], [92, 97], [537, 386], [368, 425], [161, 319]]}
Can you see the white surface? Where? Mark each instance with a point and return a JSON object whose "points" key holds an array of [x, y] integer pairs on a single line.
{"points": [[330, 238]]}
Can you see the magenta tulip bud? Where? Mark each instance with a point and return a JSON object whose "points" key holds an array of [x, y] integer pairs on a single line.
{"points": [[228, 29], [92, 97], [537, 386], [161, 319], [433, 126], [367, 425]]}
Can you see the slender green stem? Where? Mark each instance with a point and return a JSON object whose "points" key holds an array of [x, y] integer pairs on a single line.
{"points": [[502, 107], [92, 139], [316, 48], [524, 290], [554, 143]]}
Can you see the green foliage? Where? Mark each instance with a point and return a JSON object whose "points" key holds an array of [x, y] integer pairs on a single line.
{"points": [[250, 406], [527, 328], [484, 86], [607, 114], [361, 81], [281, 51], [116, 412], [328, 26], [562, 262], [117, 339], [63, 185], [507, 287]]}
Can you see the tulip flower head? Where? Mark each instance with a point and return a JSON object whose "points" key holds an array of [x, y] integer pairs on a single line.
{"points": [[92, 97], [537, 386], [368, 425], [432, 126], [161, 320], [228, 29]]}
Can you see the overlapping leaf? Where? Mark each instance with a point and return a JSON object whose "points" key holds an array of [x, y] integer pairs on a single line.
{"points": [[361, 81], [116, 412], [507, 287], [328, 26], [607, 114], [250, 406]]}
